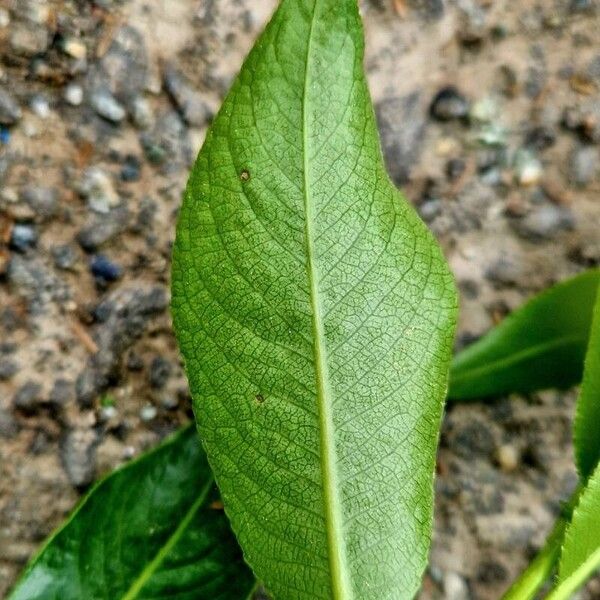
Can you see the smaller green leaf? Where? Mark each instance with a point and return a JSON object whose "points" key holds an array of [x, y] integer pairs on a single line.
{"points": [[539, 346], [587, 418], [580, 557], [151, 529]]}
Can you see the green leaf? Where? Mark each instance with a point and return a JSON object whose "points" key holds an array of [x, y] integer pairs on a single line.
{"points": [[316, 315], [147, 531], [587, 418], [580, 556], [539, 346]]}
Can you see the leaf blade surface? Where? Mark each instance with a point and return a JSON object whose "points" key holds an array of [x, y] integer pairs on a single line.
{"points": [[315, 314], [580, 555], [586, 429], [539, 346], [144, 532]]}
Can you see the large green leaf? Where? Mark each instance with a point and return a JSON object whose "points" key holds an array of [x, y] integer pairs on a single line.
{"points": [[316, 315], [539, 346], [587, 418], [580, 556], [147, 531]]}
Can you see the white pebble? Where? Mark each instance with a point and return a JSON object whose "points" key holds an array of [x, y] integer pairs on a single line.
{"points": [[73, 94]]}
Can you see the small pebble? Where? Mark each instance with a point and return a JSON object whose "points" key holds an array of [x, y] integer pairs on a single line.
{"points": [[508, 457], [142, 113], [10, 112], [455, 167], [148, 413], [4, 18], [545, 221], [96, 185], [23, 237], [578, 6], [8, 369], [62, 392], [188, 100], [108, 412], [64, 256], [73, 94], [27, 397], [43, 201], [28, 39], [4, 135], [74, 48], [455, 587], [78, 453], [160, 371], [131, 168], [484, 110], [107, 106], [8, 425], [449, 104], [584, 165], [103, 268], [528, 168], [40, 106], [430, 210]]}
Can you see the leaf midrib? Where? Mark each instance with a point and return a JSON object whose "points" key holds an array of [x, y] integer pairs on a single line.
{"points": [[151, 568], [340, 580], [513, 359]]}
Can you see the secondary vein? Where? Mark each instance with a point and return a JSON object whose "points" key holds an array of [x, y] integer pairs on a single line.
{"points": [[340, 580], [152, 567]]}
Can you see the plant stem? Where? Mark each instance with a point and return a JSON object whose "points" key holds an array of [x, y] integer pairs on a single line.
{"points": [[538, 571]]}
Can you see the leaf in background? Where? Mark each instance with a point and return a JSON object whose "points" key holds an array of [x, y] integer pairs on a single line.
{"points": [[316, 315], [587, 418], [580, 556], [146, 531], [539, 346]]}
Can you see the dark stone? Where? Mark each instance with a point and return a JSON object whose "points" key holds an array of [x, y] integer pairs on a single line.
{"points": [[62, 393], [135, 362], [474, 439], [131, 168], [103, 268], [540, 138], [8, 369], [491, 572], [8, 425], [123, 317], [449, 104], [402, 124], [455, 167], [28, 397], [160, 371], [23, 237]]}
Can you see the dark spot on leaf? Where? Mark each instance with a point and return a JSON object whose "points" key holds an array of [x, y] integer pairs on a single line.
{"points": [[260, 398], [245, 175]]}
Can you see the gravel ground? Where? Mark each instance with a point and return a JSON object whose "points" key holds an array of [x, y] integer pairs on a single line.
{"points": [[490, 120]]}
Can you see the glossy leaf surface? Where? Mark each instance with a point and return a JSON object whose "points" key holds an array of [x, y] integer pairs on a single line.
{"points": [[539, 346], [147, 531], [587, 417], [316, 315], [580, 556]]}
